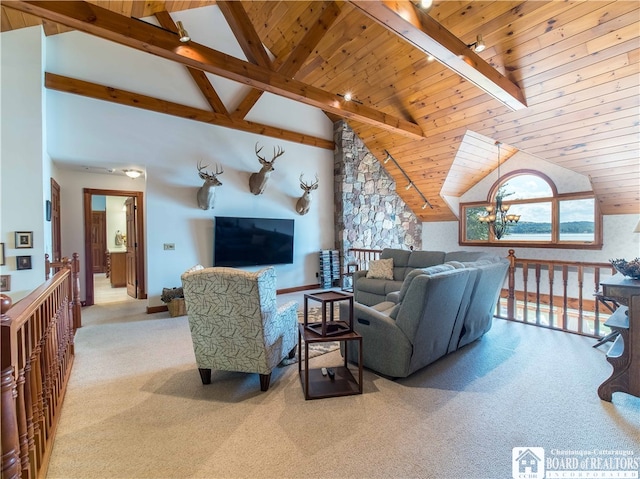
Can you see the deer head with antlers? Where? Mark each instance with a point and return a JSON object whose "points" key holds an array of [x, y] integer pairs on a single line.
{"points": [[302, 206], [207, 191], [258, 181]]}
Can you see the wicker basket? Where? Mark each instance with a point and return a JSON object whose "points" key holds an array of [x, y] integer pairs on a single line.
{"points": [[176, 307]]}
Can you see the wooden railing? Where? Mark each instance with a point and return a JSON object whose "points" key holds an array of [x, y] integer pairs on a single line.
{"points": [[548, 293], [37, 353], [555, 294], [361, 257]]}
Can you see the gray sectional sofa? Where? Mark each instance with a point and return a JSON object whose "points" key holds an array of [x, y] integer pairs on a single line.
{"points": [[372, 291], [435, 310]]}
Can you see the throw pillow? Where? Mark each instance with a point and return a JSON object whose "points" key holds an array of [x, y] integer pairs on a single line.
{"points": [[380, 269]]}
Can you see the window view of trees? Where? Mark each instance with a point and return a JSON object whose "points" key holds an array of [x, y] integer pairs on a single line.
{"points": [[546, 218]]}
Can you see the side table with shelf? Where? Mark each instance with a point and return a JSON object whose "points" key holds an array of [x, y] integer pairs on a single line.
{"points": [[314, 384]]}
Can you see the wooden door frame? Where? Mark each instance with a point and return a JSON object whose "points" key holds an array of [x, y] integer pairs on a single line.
{"points": [[88, 265]]}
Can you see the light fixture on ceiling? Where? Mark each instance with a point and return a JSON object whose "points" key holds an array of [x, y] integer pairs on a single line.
{"points": [[182, 33], [408, 187], [497, 217], [425, 5], [348, 96], [478, 45], [133, 174]]}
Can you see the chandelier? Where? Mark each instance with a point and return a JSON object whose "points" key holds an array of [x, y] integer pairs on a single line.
{"points": [[497, 217]]}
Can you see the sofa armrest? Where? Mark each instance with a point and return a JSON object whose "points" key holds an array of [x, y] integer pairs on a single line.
{"points": [[393, 297]]}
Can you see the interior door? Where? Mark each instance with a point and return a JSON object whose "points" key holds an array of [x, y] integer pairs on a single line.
{"points": [[98, 240], [132, 245], [56, 240]]}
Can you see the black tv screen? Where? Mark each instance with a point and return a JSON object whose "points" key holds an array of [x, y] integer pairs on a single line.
{"points": [[252, 241]]}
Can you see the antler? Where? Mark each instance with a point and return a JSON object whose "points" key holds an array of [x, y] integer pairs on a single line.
{"points": [[306, 186], [280, 152], [205, 174], [261, 158], [276, 155]]}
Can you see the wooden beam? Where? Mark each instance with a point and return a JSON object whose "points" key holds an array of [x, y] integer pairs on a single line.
{"points": [[145, 37], [423, 32], [297, 56], [123, 97], [242, 28], [199, 77]]}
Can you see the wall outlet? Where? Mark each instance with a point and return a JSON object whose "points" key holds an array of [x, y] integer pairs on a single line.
{"points": [[169, 246]]}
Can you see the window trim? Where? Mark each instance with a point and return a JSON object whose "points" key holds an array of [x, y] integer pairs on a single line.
{"points": [[555, 201]]}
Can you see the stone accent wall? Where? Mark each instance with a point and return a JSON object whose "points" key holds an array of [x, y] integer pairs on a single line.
{"points": [[368, 212]]}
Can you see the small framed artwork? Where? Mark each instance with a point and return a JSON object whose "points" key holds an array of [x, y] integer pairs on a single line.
{"points": [[5, 282], [2, 261], [24, 239], [23, 262]]}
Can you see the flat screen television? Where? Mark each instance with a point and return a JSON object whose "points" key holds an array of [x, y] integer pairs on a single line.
{"points": [[252, 241]]}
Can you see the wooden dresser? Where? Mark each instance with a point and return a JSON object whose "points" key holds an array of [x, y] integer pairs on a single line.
{"points": [[117, 268], [624, 355]]}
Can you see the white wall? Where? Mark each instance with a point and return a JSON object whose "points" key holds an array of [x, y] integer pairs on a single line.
{"points": [[25, 169], [168, 149]]}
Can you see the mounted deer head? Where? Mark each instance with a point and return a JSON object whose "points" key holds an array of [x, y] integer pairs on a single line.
{"points": [[207, 191], [258, 181], [302, 206]]}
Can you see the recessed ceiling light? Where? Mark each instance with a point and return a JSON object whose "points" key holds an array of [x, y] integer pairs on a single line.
{"points": [[133, 174]]}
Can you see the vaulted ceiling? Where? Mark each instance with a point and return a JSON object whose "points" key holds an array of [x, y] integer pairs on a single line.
{"points": [[558, 80]]}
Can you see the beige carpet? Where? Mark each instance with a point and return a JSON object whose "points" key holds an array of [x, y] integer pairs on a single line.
{"points": [[136, 408]]}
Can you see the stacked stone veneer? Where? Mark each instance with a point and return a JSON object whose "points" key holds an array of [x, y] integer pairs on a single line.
{"points": [[368, 212]]}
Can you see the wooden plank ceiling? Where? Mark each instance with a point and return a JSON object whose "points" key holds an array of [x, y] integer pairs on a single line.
{"points": [[575, 63]]}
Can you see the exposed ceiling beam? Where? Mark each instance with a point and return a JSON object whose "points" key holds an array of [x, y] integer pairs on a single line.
{"points": [[158, 41], [237, 18], [419, 29], [199, 77], [123, 97]]}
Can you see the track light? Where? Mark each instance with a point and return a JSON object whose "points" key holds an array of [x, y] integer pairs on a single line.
{"points": [[404, 173], [182, 33], [349, 97], [478, 45]]}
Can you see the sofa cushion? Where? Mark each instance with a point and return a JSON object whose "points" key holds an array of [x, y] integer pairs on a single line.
{"points": [[431, 270], [380, 269], [424, 259], [369, 285], [400, 261]]}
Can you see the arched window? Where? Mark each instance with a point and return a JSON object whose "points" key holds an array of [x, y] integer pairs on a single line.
{"points": [[536, 215]]}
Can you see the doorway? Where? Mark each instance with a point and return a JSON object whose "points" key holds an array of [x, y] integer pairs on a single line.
{"points": [[132, 260]]}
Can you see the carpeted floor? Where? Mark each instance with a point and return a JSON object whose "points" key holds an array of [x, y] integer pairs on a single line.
{"points": [[136, 408]]}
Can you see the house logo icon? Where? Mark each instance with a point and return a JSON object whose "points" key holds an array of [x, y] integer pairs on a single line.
{"points": [[527, 463]]}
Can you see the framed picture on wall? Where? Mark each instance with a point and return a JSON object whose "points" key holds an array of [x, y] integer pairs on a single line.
{"points": [[2, 261], [5, 282], [24, 239], [23, 262]]}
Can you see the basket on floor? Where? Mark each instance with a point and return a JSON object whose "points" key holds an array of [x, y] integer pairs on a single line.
{"points": [[176, 307]]}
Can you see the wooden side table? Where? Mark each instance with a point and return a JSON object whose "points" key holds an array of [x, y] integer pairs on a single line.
{"points": [[317, 386], [327, 300]]}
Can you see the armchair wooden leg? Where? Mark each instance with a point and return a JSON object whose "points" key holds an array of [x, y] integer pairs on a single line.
{"points": [[264, 381], [205, 375], [292, 353]]}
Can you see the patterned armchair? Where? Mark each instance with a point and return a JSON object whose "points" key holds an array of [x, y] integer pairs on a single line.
{"points": [[235, 322]]}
